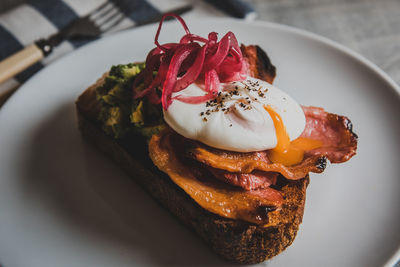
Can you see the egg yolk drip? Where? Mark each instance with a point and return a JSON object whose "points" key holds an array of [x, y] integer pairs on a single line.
{"points": [[286, 152]]}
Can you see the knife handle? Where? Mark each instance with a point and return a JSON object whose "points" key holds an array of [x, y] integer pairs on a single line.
{"points": [[235, 8], [19, 61]]}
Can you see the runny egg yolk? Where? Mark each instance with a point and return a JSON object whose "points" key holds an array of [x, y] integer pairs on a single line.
{"points": [[286, 152]]}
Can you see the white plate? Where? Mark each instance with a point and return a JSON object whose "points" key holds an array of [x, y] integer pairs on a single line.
{"points": [[64, 204]]}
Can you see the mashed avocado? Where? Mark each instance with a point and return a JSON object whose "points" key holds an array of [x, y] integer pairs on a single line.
{"points": [[120, 113]]}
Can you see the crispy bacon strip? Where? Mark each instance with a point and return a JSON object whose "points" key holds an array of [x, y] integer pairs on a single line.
{"points": [[247, 181], [240, 163], [211, 194], [335, 132]]}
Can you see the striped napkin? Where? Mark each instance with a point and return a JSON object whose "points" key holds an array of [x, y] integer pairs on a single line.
{"points": [[40, 18]]}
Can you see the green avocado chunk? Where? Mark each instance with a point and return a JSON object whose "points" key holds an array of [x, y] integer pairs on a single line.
{"points": [[121, 114]]}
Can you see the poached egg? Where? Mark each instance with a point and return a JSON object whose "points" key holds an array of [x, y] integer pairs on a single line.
{"points": [[237, 119]]}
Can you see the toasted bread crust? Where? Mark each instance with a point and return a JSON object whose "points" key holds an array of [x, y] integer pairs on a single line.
{"points": [[234, 240], [259, 62]]}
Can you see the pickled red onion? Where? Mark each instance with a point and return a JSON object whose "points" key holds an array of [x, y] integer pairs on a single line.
{"points": [[193, 59]]}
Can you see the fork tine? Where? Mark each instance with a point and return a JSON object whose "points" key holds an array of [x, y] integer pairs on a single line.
{"points": [[106, 17], [114, 21], [106, 9], [98, 8]]}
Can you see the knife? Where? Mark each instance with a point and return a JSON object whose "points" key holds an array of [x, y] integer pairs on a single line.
{"points": [[235, 8]]}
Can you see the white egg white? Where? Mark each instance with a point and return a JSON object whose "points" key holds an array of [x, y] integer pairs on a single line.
{"points": [[238, 120]]}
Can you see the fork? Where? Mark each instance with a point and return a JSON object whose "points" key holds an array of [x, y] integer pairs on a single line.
{"points": [[101, 20], [92, 25]]}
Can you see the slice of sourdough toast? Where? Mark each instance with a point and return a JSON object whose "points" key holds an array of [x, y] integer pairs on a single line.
{"points": [[235, 240]]}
